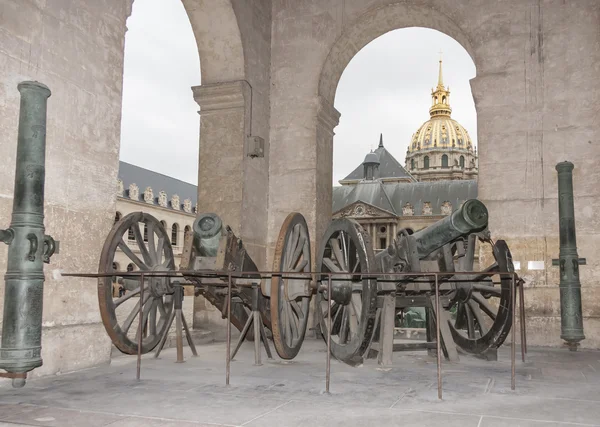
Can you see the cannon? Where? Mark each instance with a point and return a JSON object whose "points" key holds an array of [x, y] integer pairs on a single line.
{"points": [[476, 307], [210, 247]]}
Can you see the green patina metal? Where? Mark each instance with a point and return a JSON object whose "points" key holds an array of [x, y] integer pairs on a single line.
{"points": [[29, 247], [568, 261]]}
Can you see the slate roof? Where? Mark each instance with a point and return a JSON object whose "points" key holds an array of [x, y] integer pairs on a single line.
{"points": [[131, 174], [392, 197], [389, 167]]}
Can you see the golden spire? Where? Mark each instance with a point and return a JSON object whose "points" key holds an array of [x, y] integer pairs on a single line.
{"points": [[440, 97], [440, 78]]}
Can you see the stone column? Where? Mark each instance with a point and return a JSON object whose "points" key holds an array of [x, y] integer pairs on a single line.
{"points": [[226, 171], [327, 119]]}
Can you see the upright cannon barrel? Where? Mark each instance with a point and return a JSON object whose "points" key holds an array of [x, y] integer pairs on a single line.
{"points": [[29, 247], [207, 234], [471, 217]]}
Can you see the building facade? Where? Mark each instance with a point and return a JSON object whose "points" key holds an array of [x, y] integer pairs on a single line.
{"points": [[169, 200]]}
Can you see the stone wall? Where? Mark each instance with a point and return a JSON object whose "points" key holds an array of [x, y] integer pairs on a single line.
{"points": [[76, 48]]}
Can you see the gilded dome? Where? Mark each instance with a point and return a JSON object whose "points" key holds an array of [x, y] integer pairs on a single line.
{"points": [[440, 132]]}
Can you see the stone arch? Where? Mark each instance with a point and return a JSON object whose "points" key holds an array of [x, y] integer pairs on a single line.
{"points": [[219, 40], [375, 23]]}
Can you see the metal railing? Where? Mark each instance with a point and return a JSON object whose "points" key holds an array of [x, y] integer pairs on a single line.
{"points": [[322, 282]]}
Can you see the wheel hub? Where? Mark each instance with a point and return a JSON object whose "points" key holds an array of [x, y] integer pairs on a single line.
{"points": [[341, 289], [160, 286]]}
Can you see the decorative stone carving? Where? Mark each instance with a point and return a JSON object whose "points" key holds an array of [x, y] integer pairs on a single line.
{"points": [[120, 188], [408, 210], [134, 192], [162, 199], [187, 205], [446, 208], [175, 204], [149, 195], [427, 208], [359, 210]]}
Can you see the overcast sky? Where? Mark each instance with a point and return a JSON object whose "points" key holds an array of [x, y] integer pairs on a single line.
{"points": [[385, 89]]}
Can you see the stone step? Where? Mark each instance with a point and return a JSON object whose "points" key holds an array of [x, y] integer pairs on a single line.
{"points": [[199, 336]]}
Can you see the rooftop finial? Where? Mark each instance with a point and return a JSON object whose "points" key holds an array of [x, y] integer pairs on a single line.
{"points": [[440, 78], [381, 140]]}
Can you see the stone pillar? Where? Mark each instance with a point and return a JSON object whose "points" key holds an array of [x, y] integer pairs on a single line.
{"points": [[226, 172], [327, 119]]}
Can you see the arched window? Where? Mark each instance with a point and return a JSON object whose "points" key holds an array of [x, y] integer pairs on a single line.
{"points": [[118, 217], [443, 99], [462, 162], [444, 161], [145, 232], [174, 233], [426, 162], [412, 164], [130, 267], [187, 229]]}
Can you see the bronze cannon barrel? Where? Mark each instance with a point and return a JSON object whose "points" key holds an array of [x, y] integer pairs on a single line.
{"points": [[471, 217], [29, 247], [207, 234]]}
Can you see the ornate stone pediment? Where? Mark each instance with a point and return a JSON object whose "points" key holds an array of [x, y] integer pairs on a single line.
{"points": [[361, 210], [162, 199], [148, 195], [187, 205], [120, 188], [134, 192], [175, 204]]}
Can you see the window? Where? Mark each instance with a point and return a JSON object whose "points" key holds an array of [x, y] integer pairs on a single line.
{"points": [[443, 99], [382, 243], [462, 162], [118, 217], [145, 232], [426, 162], [130, 267], [130, 234], [382, 229], [412, 164], [174, 233], [444, 161]]}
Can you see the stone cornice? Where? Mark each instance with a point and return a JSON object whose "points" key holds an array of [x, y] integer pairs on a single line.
{"points": [[327, 116], [222, 96]]}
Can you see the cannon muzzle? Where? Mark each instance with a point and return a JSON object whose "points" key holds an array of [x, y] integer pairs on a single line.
{"points": [[29, 247], [471, 217], [207, 234]]}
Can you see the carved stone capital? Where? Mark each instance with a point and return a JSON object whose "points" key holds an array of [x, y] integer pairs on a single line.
{"points": [[327, 116], [216, 97]]}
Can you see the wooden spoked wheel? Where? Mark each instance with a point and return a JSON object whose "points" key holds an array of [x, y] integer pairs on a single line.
{"points": [[290, 296], [146, 243], [483, 306], [346, 248]]}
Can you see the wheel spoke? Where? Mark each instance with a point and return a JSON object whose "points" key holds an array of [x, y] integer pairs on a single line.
{"points": [[151, 243], [133, 257], [125, 297], [159, 249], [300, 267], [331, 265], [335, 247], [487, 289], [485, 306], [297, 309], [470, 322], [296, 255], [152, 318], [291, 245], [478, 317], [141, 244], [293, 321], [344, 325], [145, 313], [134, 312]]}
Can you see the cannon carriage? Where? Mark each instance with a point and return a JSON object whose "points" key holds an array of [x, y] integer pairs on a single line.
{"points": [[366, 293]]}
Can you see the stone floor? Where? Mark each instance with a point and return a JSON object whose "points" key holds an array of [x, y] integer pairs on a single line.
{"points": [[554, 388]]}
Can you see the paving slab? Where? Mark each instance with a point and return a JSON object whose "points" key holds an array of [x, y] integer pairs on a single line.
{"points": [[555, 387]]}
